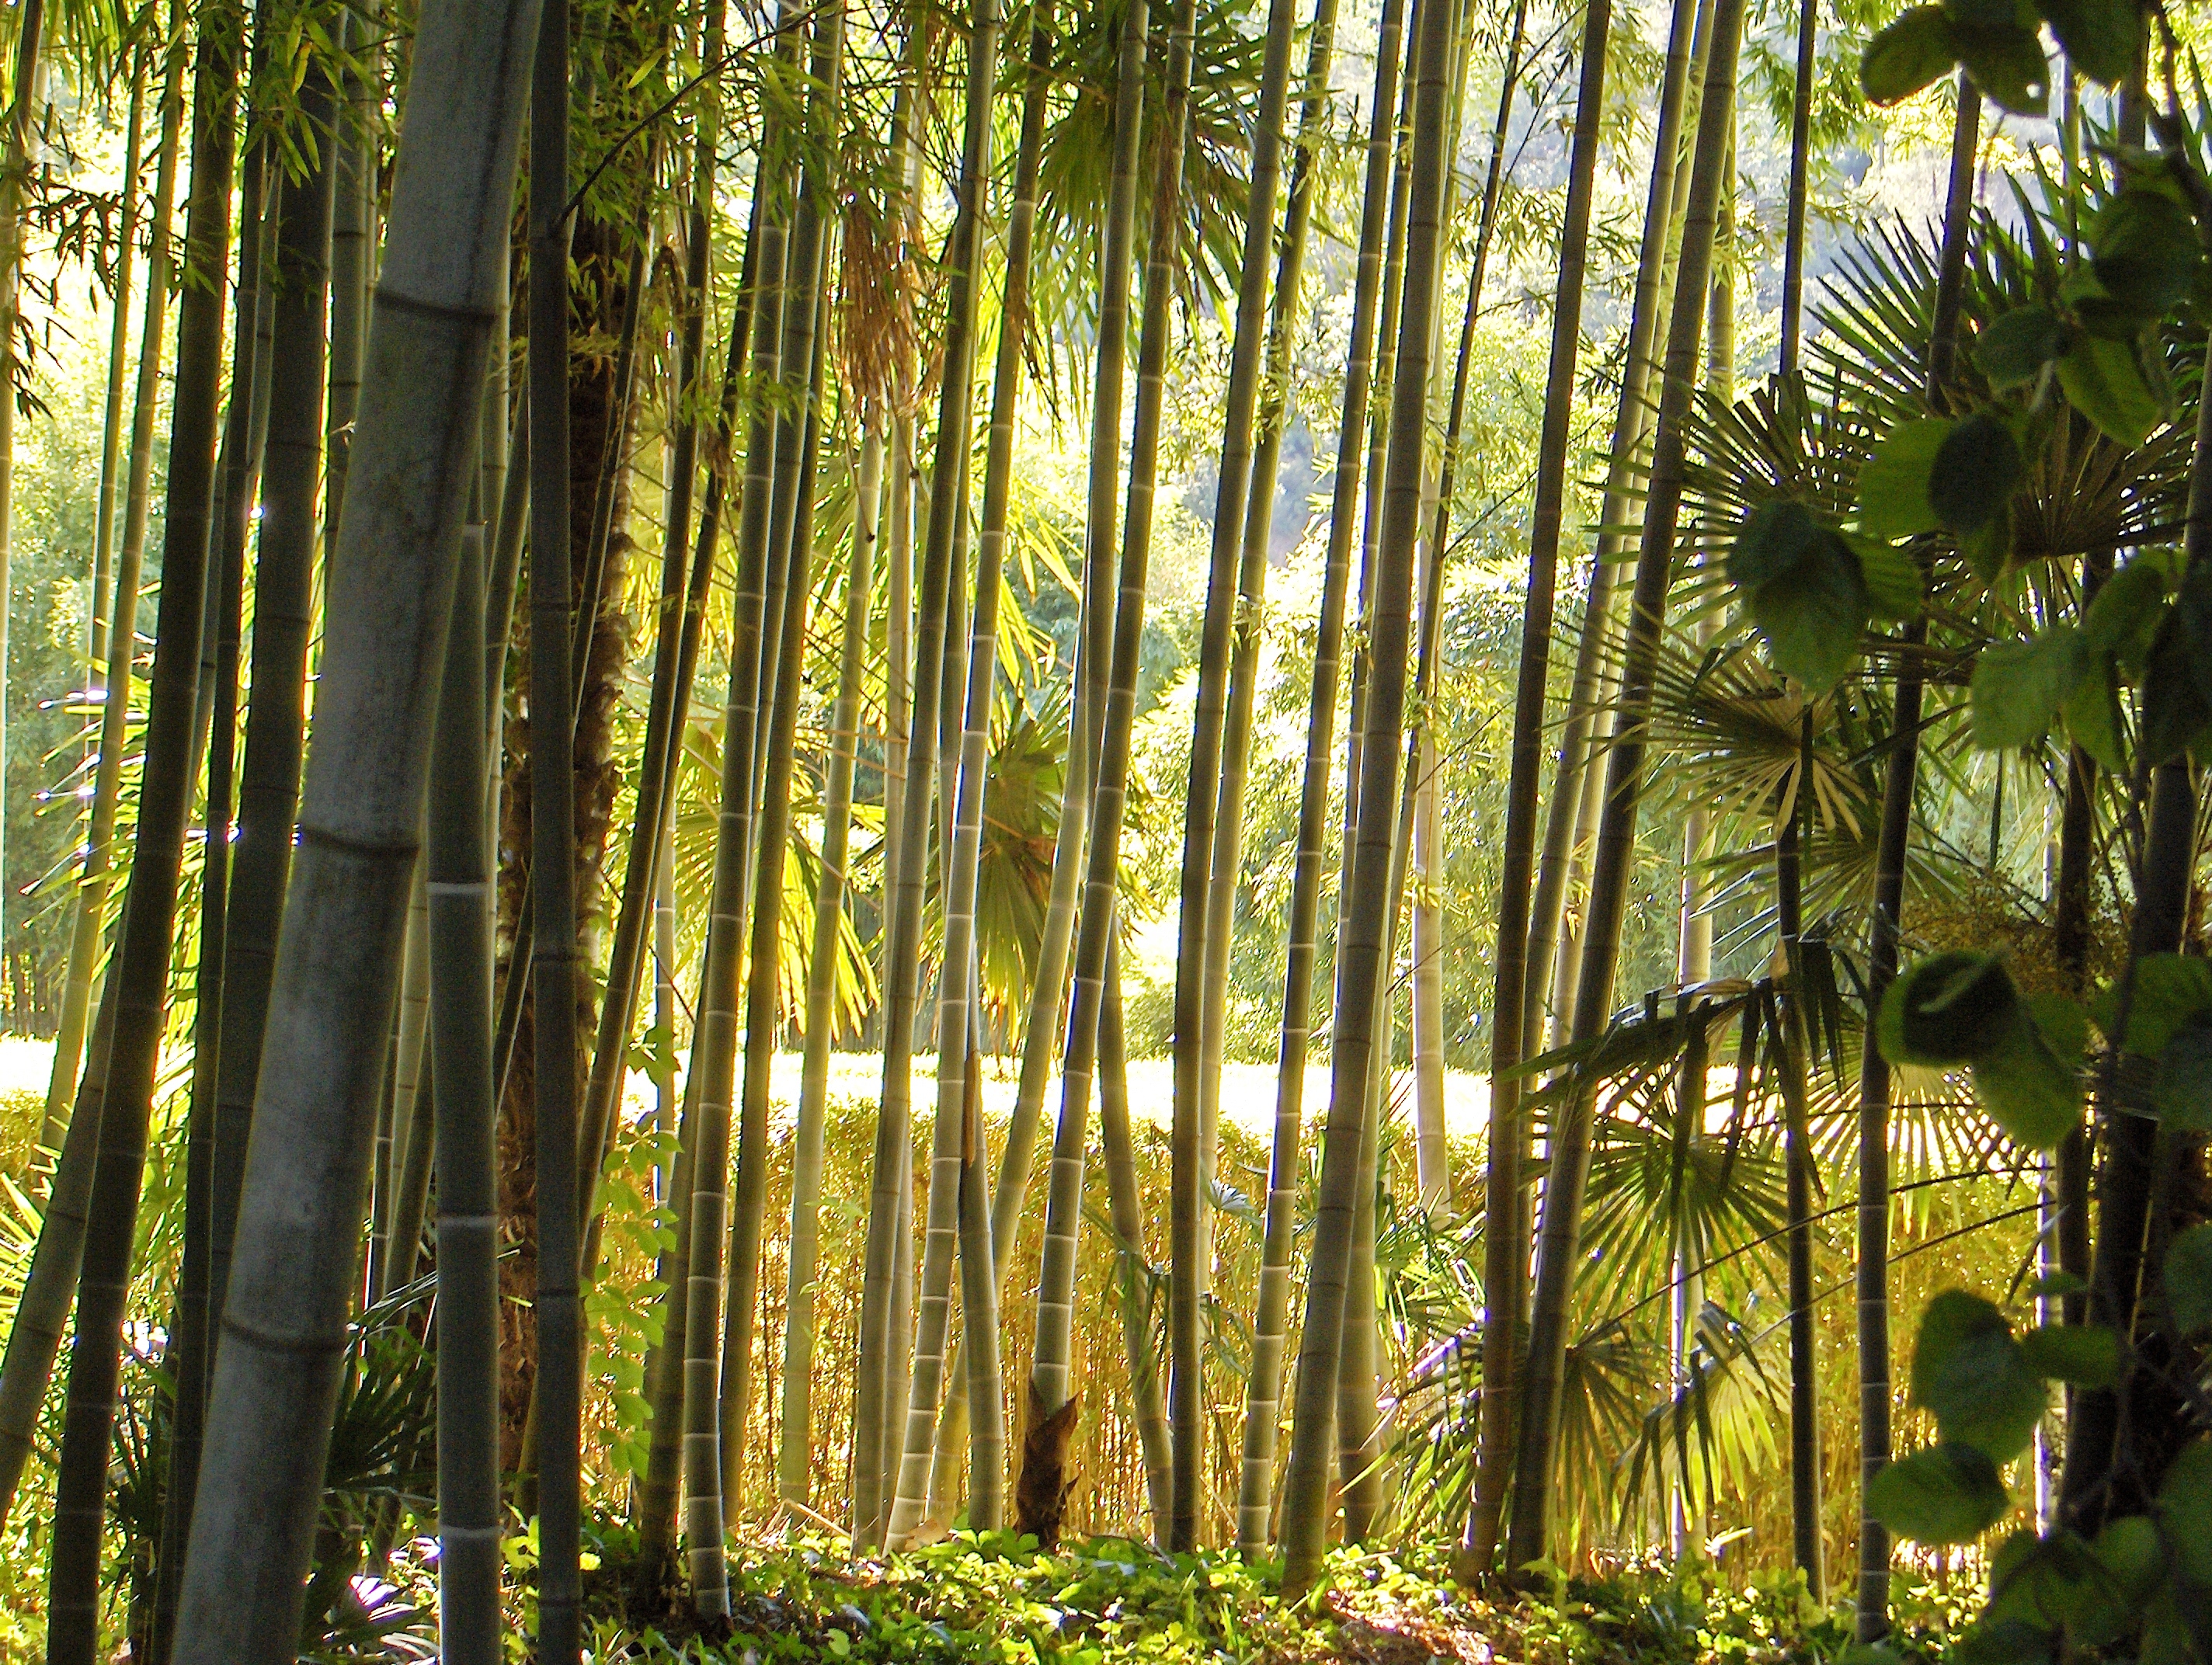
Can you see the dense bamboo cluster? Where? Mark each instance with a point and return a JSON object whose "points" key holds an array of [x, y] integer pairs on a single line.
{"points": [[435, 768]]}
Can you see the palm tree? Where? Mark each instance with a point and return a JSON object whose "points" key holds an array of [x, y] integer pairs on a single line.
{"points": [[1557, 1259], [140, 975], [1365, 929], [415, 457], [1039, 1493], [1263, 1390]]}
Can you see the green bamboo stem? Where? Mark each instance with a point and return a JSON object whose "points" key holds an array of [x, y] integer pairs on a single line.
{"points": [[1561, 1224], [1041, 1490], [1270, 1320]]}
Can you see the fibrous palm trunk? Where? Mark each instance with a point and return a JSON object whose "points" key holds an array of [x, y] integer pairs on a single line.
{"points": [[139, 977], [415, 457], [1041, 1490], [1270, 1320], [1558, 1256], [1359, 960]]}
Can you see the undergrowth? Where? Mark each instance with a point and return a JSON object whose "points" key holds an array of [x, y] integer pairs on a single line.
{"points": [[970, 1599]]}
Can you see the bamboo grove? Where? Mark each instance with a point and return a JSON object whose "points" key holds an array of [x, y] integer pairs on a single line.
{"points": [[854, 720]]}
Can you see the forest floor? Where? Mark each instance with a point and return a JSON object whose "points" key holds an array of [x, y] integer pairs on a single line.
{"points": [[1110, 1601]]}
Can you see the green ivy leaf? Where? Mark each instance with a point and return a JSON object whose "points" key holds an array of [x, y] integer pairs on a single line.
{"points": [[1946, 1494], [2102, 381], [2012, 349], [1913, 52], [2007, 64], [1893, 484], [1895, 590], [2085, 1355], [1973, 473], [1948, 1010], [2183, 1094], [2189, 1280], [2028, 1090], [2124, 619], [1969, 1371], [2101, 37], [2147, 251], [1801, 587], [2093, 714], [2032, 1582], [2184, 1499], [2170, 990], [2128, 1564], [2020, 687]]}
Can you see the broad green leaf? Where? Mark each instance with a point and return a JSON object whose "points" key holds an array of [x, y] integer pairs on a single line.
{"points": [[2177, 705], [2127, 1564], [1969, 1371], [2170, 990], [2101, 37], [2182, 1095], [2103, 381], [2056, 1286], [1801, 587], [2145, 252], [1946, 1494], [1988, 551], [2063, 1021], [2012, 349], [2027, 1089], [1895, 590], [2032, 1581], [1913, 52], [2189, 1280], [2020, 687], [2166, 1636], [2123, 618], [1973, 473], [1948, 1010], [2007, 64], [2185, 1498], [2093, 714], [2085, 1355], [1982, 14], [1893, 485]]}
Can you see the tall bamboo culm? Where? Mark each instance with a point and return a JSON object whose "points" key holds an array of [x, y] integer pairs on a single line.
{"points": [[1560, 1228], [416, 456], [1041, 1489]]}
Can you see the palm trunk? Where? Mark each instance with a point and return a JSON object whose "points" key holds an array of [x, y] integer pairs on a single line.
{"points": [[553, 961], [1546, 980], [415, 457], [90, 924], [1040, 1491], [1263, 1390], [139, 977], [1216, 784], [1558, 1255], [1884, 926], [795, 1447], [1360, 969], [1800, 1173]]}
